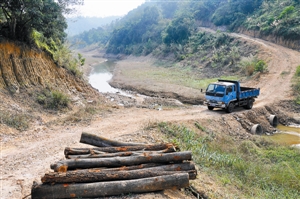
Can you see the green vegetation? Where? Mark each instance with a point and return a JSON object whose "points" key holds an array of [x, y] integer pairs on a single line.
{"points": [[55, 100], [298, 71], [260, 66], [171, 75], [40, 23], [169, 29], [215, 50], [21, 18], [258, 168], [63, 56], [278, 18], [18, 121], [175, 22], [252, 64], [296, 85]]}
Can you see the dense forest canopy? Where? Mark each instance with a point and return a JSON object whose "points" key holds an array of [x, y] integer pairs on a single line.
{"points": [[21, 18]]}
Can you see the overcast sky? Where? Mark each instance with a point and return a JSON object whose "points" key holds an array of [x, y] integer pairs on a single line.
{"points": [[104, 8]]}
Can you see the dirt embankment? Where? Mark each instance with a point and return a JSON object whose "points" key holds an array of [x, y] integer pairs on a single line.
{"points": [[22, 68]]}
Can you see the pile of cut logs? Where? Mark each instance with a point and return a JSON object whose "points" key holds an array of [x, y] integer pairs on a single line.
{"points": [[115, 168]]}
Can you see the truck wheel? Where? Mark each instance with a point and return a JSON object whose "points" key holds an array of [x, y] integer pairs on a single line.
{"points": [[249, 104], [210, 108], [230, 108]]}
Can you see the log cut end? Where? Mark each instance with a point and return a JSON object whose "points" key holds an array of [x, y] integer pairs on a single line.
{"points": [[60, 168]]}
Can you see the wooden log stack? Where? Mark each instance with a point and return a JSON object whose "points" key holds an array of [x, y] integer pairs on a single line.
{"points": [[115, 168]]}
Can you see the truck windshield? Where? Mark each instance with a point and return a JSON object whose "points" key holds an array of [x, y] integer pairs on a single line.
{"points": [[215, 89]]}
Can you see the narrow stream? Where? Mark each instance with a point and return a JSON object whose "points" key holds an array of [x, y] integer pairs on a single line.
{"points": [[100, 75]]}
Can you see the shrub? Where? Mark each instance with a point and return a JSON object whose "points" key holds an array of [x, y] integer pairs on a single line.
{"points": [[298, 100], [248, 64], [296, 85], [53, 99], [63, 57], [251, 64], [260, 66], [298, 71]]}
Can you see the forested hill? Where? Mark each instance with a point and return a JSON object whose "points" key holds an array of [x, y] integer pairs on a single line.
{"points": [[175, 22]]}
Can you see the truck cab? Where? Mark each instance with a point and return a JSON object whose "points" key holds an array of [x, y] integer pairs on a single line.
{"points": [[228, 94]]}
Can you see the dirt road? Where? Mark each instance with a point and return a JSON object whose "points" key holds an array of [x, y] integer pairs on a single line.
{"points": [[27, 156]]}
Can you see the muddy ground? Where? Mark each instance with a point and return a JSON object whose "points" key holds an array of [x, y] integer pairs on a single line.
{"points": [[27, 155]]}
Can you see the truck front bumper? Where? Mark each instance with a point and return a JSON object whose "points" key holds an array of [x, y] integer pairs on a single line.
{"points": [[215, 104]]}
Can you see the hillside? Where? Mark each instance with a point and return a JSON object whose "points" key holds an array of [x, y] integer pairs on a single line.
{"points": [[174, 22]]}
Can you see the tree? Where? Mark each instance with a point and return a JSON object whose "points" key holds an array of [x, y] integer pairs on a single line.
{"points": [[45, 16], [178, 31], [134, 31]]}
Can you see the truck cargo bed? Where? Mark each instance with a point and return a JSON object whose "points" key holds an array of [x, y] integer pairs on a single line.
{"points": [[247, 92]]}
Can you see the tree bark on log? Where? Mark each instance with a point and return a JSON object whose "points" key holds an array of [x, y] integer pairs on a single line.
{"points": [[81, 151], [70, 164], [98, 175], [102, 189], [84, 177], [99, 141], [120, 154], [127, 168]]}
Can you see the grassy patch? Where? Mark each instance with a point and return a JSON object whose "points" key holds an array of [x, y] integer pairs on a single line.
{"points": [[171, 75], [259, 169], [18, 121]]}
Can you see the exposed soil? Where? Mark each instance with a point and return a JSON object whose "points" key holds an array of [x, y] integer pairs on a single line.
{"points": [[27, 155]]}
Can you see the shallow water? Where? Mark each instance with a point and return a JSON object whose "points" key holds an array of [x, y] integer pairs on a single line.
{"points": [[100, 76], [287, 135], [289, 128]]}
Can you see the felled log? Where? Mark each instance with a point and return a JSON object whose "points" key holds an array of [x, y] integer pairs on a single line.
{"points": [[70, 164], [120, 154], [127, 168], [81, 151], [99, 141], [98, 175], [182, 167], [102, 189], [104, 155]]}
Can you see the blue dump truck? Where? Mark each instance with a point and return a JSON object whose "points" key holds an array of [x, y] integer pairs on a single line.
{"points": [[228, 94]]}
